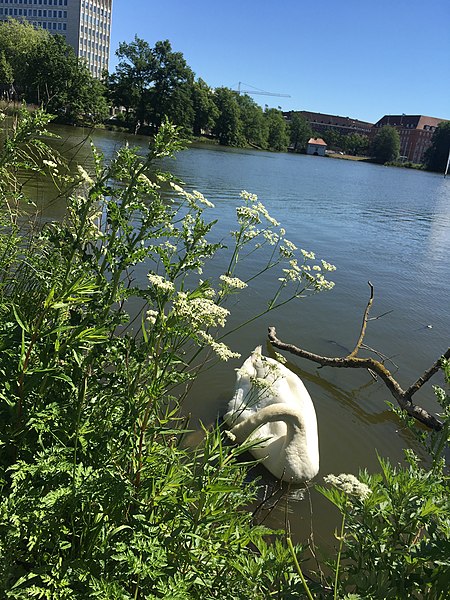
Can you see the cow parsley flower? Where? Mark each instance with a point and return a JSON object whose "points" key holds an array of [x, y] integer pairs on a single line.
{"points": [[309, 255], [233, 282], [201, 198], [159, 282], [349, 484], [199, 312], [84, 175], [50, 163], [151, 316], [327, 266], [221, 349]]}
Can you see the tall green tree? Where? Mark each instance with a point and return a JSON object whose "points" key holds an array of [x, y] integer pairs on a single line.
{"points": [[171, 94], [386, 144], [18, 42], [300, 132], [205, 109], [355, 143], [131, 82], [228, 127], [254, 126], [436, 156], [153, 83], [278, 136], [44, 70], [63, 84], [6, 72]]}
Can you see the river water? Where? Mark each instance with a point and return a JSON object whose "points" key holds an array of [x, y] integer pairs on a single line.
{"points": [[390, 226]]}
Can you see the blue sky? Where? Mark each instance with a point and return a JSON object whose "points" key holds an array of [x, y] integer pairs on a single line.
{"points": [[355, 58]]}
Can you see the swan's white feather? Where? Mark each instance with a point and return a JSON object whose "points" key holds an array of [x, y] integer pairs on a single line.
{"points": [[291, 454]]}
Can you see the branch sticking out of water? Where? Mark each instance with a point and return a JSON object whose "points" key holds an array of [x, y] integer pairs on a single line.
{"points": [[403, 397]]}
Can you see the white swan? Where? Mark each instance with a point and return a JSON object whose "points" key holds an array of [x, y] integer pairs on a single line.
{"points": [[271, 404]]}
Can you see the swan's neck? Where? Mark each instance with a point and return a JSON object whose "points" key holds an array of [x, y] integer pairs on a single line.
{"points": [[269, 414]]}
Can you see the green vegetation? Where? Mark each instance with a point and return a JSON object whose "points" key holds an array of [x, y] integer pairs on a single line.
{"points": [[40, 68], [152, 83], [353, 143], [148, 85], [437, 154], [386, 145], [300, 132], [100, 497]]}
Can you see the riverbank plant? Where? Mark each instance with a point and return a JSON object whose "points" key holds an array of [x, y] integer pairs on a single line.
{"points": [[100, 498], [393, 541]]}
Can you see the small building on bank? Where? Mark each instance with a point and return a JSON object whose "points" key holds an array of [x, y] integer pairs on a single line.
{"points": [[316, 147]]}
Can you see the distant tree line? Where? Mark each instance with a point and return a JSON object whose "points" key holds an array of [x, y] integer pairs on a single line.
{"points": [[150, 84]]}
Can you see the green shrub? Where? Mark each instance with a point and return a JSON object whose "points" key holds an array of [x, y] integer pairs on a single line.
{"points": [[395, 531], [99, 497]]}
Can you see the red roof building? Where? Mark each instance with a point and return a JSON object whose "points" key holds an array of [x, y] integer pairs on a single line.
{"points": [[316, 146]]}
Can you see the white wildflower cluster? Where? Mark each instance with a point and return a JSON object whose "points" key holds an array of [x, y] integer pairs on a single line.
{"points": [[248, 197], [349, 484], [221, 349], [151, 316], [293, 273], [167, 245], [200, 312], [201, 198], [256, 223], [312, 273], [280, 358], [247, 214], [250, 234], [208, 292], [2, 116], [146, 181], [261, 383], [322, 284], [84, 175], [263, 211], [308, 255], [95, 219], [326, 266], [160, 282], [253, 211], [271, 236], [195, 198], [50, 163], [188, 228], [233, 282]]}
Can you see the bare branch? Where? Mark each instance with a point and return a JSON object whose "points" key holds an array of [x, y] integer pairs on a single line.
{"points": [[364, 323], [402, 397], [426, 376]]}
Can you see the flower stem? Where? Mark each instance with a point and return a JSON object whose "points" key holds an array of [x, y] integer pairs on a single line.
{"points": [[299, 570], [338, 562]]}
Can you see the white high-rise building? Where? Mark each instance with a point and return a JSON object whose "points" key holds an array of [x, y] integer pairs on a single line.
{"points": [[86, 24]]}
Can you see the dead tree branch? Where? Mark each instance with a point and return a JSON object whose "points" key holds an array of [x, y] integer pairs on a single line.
{"points": [[364, 324], [403, 397]]}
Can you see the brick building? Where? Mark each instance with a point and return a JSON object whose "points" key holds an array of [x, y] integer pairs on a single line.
{"points": [[416, 132], [321, 123]]}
